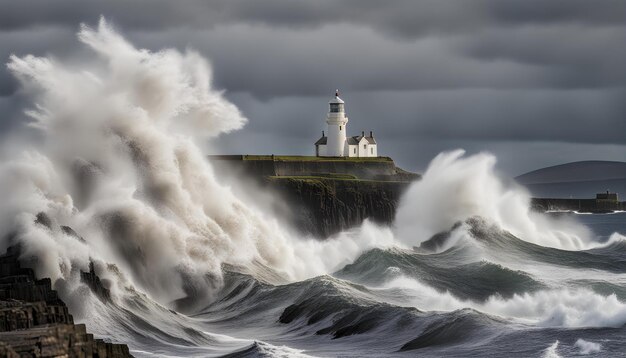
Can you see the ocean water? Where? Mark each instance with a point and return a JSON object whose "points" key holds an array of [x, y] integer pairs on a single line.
{"points": [[602, 225], [197, 267], [489, 295]]}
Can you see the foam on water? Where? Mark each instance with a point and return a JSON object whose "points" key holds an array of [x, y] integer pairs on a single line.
{"points": [[551, 352], [568, 308], [587, 347]]}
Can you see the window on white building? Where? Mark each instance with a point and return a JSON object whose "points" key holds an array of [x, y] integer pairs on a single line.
{"points": [[354, 151], [372, 150]]}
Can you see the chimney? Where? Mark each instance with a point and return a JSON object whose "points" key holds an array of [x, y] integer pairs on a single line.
{"points": [[371, 134], [362, 133], [323, 135]]}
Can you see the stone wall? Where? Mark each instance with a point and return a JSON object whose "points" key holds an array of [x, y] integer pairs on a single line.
{"points": [[580, 205]]}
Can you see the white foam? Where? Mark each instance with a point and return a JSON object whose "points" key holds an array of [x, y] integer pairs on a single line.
{"points": [[551, 352], [455, 188], [587, 347], [572, 308], [269, 350]]}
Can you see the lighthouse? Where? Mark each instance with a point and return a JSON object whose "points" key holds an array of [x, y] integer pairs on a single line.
{"points": [[336, 120], [337, 143]]}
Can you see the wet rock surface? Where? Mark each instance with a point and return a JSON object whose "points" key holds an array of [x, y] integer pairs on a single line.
{"points": [[323, 206], [35, 322]]}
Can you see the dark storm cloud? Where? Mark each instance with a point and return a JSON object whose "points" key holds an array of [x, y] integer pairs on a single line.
{"points": [[405, 17], [362, 45], [269, 61], [429, 75], [572, 55]]}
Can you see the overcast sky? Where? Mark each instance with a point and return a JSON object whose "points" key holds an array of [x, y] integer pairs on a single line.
{"points": [[536, 82]]}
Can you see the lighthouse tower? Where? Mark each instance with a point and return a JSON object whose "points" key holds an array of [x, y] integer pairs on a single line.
{"points": [[337, 122]]}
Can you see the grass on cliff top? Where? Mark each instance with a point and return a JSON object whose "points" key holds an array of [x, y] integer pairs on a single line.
{"points": [[341, 177], [310, 158], [318, 176]]}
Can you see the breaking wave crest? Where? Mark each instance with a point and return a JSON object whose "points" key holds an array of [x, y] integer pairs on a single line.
{"points": [[118, 164], [455, 188]]}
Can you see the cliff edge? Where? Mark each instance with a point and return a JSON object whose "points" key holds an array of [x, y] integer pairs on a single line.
{"points": [[325, 194]]}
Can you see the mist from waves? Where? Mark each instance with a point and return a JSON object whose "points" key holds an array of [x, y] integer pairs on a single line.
{"points": [[117, 162], [464, 187]]}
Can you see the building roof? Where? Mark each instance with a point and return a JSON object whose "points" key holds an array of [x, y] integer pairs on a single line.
{"points": [[351, 140], [336, 99], [357, 138]]}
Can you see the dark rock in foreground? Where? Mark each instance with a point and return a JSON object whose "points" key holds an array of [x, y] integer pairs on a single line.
{"points": [[34, 322]]}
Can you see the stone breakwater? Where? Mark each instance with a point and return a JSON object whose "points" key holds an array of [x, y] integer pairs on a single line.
{"points": [[579, 205], [35, 322]]}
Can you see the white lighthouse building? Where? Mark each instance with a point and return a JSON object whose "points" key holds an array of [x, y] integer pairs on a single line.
{"points": [[337, 144]]}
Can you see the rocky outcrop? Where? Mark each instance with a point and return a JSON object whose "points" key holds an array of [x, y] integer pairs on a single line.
{"points": [[325, 194], [93, 281], [35, 322], [325, 206]]}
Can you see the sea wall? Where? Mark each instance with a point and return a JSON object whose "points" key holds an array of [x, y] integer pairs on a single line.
{"points": [[580, 205]]}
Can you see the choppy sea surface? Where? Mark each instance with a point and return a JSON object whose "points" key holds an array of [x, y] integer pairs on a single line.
{"points": [[603, 225], [490, 294]]}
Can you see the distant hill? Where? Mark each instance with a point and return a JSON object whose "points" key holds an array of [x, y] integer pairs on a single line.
{"points": [[576, 180]]}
